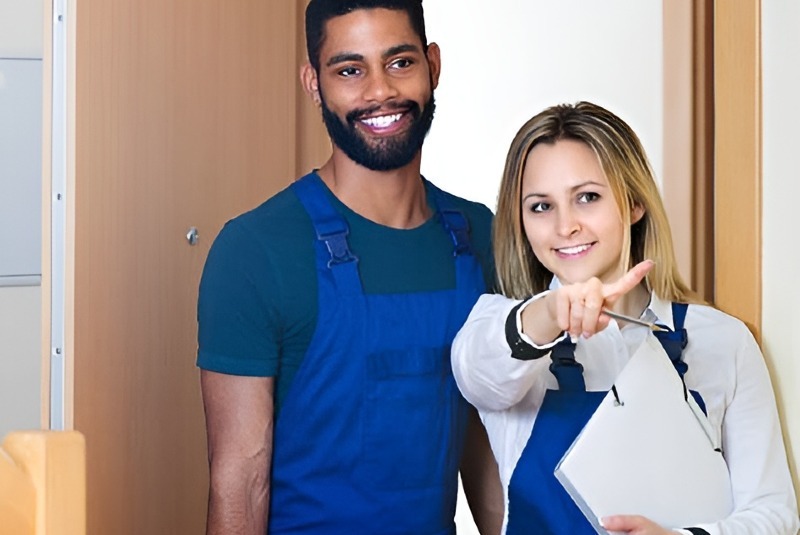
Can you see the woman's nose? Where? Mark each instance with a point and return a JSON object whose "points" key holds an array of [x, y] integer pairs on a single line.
{"points": [[568, 223]]}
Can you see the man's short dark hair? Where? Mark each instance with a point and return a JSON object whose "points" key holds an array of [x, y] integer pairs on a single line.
{"points": [[319, 12]]}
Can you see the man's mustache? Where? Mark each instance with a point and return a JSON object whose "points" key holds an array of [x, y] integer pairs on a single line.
{"points": [[404, 106]]}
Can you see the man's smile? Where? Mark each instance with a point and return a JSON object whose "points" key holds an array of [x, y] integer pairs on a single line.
{"points": [[382, 121]]}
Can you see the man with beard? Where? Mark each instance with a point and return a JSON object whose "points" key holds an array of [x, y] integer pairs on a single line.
{"points": [[327, 313]]}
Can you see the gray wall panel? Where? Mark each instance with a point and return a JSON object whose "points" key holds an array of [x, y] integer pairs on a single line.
{"points": [[20, 167]]}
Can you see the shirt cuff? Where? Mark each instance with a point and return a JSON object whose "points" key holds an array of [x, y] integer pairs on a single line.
{"points": [[522, 347]]}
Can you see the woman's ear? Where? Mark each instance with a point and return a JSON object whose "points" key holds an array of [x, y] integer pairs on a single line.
{"points": [[637, 212]]}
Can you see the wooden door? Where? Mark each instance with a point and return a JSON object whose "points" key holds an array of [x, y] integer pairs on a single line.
{"points": [[183, 114]]}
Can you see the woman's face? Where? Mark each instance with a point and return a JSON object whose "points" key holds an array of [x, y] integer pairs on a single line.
{"points": [[569, 213]]}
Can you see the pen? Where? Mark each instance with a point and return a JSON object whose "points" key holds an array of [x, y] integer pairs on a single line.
{"points": [[623, 317]]}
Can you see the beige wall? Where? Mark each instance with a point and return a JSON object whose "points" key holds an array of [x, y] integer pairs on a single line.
{"points": [[781, 190]]}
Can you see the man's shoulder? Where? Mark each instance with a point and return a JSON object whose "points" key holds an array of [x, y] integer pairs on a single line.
{"points": [[270, 231], [280, 217], [475, 211], [282, 206]]}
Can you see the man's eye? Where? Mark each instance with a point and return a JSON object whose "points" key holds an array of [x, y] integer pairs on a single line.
{"points": [[401, 63], [588, 196], [347, 72]]}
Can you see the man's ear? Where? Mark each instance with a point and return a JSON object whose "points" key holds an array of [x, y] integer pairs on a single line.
{"points": [[310, 82], [435, 63], [637, 213]]}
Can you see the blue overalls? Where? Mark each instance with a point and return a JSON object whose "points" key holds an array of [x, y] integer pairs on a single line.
{"points": [[537, 503], [370, 435]]}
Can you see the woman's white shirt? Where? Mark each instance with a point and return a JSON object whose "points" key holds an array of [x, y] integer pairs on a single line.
{"points": [[725, 366]]}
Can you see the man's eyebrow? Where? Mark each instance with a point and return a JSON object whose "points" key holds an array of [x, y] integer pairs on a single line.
{"points": [[399, 49], [344, 57]]}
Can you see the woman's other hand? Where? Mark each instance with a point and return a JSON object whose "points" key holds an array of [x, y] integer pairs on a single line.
{"points": [[633, 525]]}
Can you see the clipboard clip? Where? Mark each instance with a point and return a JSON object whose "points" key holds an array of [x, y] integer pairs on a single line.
{"points": [[617, 402]]}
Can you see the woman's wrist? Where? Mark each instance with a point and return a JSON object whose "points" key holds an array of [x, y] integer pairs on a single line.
{"points": [[522, 346]]}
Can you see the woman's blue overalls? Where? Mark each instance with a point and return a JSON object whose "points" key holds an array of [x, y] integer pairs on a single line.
{"points": [[370, 434], [537, 503]]}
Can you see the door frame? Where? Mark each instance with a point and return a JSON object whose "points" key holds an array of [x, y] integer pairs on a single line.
{"points": [[738, 161]]}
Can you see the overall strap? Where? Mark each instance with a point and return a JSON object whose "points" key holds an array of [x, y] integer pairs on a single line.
{"points": [[331, 230], [567, 371], [454, 221], [674, 342]]}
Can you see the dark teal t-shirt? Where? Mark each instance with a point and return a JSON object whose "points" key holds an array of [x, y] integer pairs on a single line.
{"points": [[257, 308]]}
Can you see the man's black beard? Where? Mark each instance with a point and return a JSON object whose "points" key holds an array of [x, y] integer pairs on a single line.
{"points": [[382, 154]]}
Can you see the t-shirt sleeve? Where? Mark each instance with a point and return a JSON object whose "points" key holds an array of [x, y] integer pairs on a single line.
{"points": [[237, 326]]}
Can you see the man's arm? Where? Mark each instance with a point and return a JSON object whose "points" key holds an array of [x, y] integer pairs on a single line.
{"points": [[481, 479], [239, 421]]}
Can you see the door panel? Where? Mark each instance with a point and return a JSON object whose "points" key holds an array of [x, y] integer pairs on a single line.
{"points": [[184, 117]]}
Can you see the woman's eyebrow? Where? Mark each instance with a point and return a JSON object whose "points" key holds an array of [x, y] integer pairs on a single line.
{"points": [[573, 188]]}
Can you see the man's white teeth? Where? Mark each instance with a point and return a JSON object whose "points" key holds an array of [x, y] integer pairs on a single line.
{"points": [[383, 121], [574, 250]]}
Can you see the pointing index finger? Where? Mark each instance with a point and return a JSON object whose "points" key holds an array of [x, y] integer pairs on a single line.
{"points": [[629, 280]]}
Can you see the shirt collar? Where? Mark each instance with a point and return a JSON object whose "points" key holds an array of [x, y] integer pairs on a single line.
{"points": [[662, 310]]}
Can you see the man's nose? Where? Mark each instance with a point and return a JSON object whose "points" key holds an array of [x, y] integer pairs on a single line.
{"points": [[380, 87]]}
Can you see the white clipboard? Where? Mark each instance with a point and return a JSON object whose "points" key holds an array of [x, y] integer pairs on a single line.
{"points": [[652, 453]]}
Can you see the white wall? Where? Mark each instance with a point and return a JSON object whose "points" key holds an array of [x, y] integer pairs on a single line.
{"points": [[20, 307], [504, 62], [781, 190], [21, 28]]}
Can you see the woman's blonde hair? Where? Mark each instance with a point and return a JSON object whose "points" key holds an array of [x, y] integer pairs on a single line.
{"points": [[625, 164]]}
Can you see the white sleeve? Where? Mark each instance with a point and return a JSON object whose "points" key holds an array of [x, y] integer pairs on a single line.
{"points": [[487, 375], [764, 499]]}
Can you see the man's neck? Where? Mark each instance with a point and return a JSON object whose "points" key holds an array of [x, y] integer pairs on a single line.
{"points": [[393, 198]]}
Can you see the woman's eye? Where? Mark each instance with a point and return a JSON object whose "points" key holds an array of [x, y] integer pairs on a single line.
{"points": [[588, 196], [539, 207]]}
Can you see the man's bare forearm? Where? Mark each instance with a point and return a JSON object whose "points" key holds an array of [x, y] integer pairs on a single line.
{"points": [[481, 479], [239, 425], [238, 500]]}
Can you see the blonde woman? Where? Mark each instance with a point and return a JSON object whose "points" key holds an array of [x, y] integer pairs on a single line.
{"points": [[580, 227]]}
